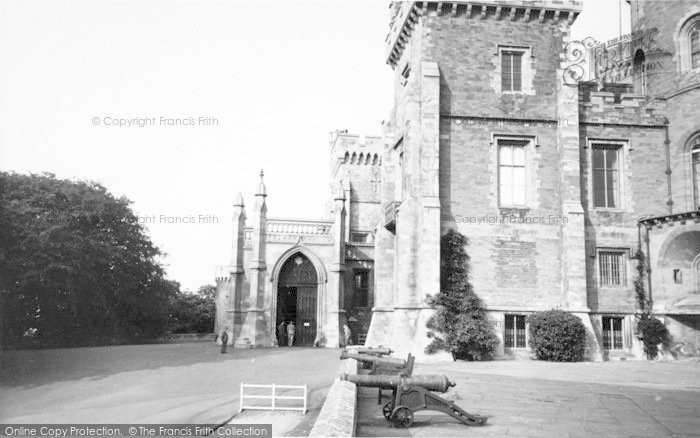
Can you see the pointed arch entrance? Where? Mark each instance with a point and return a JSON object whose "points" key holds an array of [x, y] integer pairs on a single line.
{"points": [[297, 299]]}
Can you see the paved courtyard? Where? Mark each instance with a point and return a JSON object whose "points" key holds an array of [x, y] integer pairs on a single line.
{"points": [[539, 399], [167, 383]]}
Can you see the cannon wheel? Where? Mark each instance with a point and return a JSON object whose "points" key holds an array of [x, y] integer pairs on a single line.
{"points": [[386, 410], [402, 416]]}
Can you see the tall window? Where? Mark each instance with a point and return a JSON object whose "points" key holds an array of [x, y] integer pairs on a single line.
{"points": [[695, 46], [611, 268], [515, 331], [640, 73], [361, 283], [696, 273], [511, 172], [695, 159], [612, 333], [689, 39], [606, 175], [511, 70], [398, 171]]}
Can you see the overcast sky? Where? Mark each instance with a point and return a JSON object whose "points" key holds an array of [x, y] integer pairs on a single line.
{"points": [[269, 80]]}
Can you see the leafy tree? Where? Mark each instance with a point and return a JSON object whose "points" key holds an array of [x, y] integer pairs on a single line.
{"points": [[193, 312], [76, 267], [207, 291], [460, 324], [557, 336], [653, 332]]}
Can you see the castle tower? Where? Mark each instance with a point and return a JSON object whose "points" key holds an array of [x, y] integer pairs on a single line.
{"points": [[356, 160], [230, 281], [255, 331], [667, 48], [474, 85]]}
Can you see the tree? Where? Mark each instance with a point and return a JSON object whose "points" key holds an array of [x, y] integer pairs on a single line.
{"points": [[75, 264], [460, 324], [207, 291], [193, 312]]}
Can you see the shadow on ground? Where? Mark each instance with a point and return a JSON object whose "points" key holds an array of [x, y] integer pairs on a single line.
{"points": [[28, 368]]}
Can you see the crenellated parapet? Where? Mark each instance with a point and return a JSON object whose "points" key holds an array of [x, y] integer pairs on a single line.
{"points": [[223, 274], [406, 15], [609, 108], [354, 149]]}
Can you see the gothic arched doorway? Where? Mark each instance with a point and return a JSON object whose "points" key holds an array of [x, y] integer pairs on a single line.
{"points": [[297, 297]]}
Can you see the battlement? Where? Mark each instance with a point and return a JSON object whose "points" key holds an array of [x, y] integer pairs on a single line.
{"points": [[405, 16], [616, 105], [354, 149]]}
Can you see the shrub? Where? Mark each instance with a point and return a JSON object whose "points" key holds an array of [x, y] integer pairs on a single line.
{"points": [[462, 326], [653, 332], [557, 336]]}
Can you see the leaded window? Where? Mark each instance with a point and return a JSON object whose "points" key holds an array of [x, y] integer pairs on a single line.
{"points": [[606, 176], [511, 171], [511, 70], [515, 331], [611, 268], [612, 333]]}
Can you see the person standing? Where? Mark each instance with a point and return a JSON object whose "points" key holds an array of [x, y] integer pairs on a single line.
{"points": [[224, 341], [347, 333], [281, 334], [291, 329]]}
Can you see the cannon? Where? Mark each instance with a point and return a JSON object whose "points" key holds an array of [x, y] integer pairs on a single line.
{"points": [[412, 394], [383, 365], [379, 351]]}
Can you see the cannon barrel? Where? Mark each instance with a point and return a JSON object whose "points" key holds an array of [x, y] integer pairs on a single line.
{"points": [[372, 350], [382, 361], [431, 382]]}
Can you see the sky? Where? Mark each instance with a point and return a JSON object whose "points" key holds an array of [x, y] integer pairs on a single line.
{"points": [[177, 105]]}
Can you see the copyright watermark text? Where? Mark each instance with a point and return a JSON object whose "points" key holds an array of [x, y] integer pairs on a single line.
{"points": [[154, 121]]}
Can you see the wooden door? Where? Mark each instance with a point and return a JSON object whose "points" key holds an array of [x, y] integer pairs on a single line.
{"points": [[306, 315]]}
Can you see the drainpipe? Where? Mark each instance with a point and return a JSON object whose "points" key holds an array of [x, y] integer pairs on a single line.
{"points": [[651, 300], [667, 143]]}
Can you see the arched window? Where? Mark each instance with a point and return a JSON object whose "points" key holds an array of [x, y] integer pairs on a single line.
{"points": [[694, 147], [640, 73], [695, 46], [696, 273], [689, 39]]}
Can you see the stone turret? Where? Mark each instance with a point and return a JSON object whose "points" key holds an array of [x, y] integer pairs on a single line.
{"points": [[336, 316], [255, 330], [229, 280]]}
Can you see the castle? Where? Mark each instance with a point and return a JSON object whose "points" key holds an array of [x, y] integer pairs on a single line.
{"points": [[561, 161]]}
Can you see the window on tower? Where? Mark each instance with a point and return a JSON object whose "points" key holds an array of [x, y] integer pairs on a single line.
{"points": [[695, 159], [512, 176], [695, 46], [511, 70], [361, 286], [612, 267], [689, 41], [606, 175]]}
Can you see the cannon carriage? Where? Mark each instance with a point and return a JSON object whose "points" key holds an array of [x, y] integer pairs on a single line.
{"points": [[412, 394]]}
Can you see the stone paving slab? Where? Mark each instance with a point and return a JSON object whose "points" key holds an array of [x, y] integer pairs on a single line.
{"points": [[529, 399]]}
